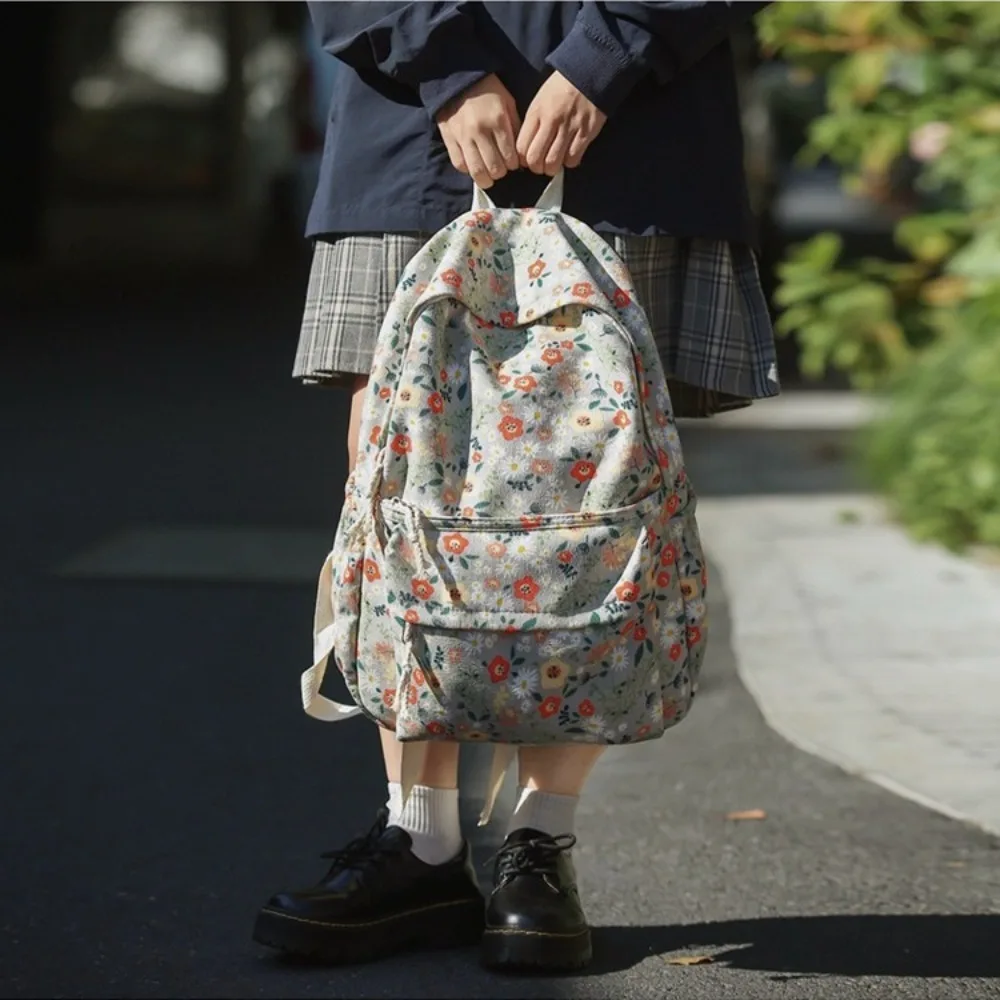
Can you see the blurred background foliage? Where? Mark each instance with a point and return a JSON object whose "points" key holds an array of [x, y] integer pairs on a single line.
{"points": [[912, 103]]}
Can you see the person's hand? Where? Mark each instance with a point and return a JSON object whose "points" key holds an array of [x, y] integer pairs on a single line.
{"points": [[479, 129], [559, 126]]}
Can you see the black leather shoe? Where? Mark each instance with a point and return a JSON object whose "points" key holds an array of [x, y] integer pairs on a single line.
{"points": [[376, 899], [534, 919]]}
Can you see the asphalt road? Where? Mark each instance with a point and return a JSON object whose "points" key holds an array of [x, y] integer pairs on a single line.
{"points": [[160, 779]]}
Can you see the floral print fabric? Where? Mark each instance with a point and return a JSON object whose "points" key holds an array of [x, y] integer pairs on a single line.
{"points": [[517, 559]]}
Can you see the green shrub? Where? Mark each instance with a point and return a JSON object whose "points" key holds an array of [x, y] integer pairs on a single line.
{"points": [[936, 453], [905, 82]]}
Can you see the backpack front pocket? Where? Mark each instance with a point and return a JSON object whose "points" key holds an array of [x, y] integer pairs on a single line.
{"points": [[496, 574], [478, 659]]}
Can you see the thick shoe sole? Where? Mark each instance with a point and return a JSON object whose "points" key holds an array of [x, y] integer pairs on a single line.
{"points": [[457, 924], [508, 950]]}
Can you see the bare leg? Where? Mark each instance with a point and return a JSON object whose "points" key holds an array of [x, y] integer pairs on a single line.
{"points": [[441, 765], [557, 770]]}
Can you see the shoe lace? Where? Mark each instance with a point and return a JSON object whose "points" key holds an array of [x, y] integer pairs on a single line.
{"points": [[538, 856], [361, 852]]}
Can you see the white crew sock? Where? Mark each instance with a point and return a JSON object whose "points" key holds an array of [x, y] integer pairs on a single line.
{"points": [[544, 811], [430, 817]]}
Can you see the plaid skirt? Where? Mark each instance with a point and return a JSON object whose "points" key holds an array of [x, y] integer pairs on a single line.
{"points": [[703, 299]]}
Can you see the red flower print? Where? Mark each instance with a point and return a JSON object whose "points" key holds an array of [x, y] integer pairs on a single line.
{"points": [[511, 428], [669, 555], [583, 471], [552, 355], [619, 387], [676, 650], [646, 390], [477, 456], [411, 696], [497, 549], [389, 697], [622, 298], [484, 218], [422, 589], [663, 580], [526, 588], [550, 706], [503, 379], [537, 269], [436, 402], [375, 435], [583, 290], [385, 392], [541, 467], [565, 556], [622, 419], [662, 459], [508, 319], [643, 730], [567, 345], [455, 544], [443, 375], [693, 635], [453, 278], [525, 383], [669, 711], [499, 669], [418, 677], [626, 592], [401, 444], [640, 634], [586, 708], [349, 575], [529, 523], [412, 617], [673, 503], [435, 728], [371, 570]]}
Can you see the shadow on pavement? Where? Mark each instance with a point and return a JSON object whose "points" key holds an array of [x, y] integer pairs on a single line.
{"points": [[937, 946]]}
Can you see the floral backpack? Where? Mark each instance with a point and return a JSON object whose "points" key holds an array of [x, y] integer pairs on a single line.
{"points": [[517, 559]]}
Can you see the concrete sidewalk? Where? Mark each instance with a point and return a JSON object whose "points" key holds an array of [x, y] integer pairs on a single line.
{"points": [[861, 646]]}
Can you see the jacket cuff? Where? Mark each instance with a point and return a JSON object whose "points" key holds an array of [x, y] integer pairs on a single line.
{"points": [[598, 66], [436, 94]]}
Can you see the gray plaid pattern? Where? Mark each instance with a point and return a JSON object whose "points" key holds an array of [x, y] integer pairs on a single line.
{"points": [[703, 299]]}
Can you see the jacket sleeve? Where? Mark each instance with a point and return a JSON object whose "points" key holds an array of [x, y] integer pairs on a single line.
{"points": [[431, 48], [612, 46]]}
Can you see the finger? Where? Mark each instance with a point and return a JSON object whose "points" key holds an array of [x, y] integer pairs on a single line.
{"points": [[556, 155], [454, 153], [525, 134], [578, 146], [539, 148], [505, 143], [476, 166], [490, 155]]}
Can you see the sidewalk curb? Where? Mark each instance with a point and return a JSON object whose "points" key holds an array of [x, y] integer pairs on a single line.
{"points": [[867, 679]]}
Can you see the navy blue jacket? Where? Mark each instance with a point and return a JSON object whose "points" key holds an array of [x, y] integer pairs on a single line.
{"points": [[668, 161]]}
